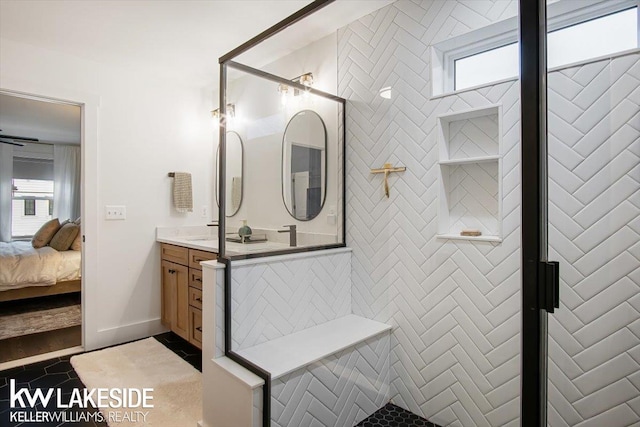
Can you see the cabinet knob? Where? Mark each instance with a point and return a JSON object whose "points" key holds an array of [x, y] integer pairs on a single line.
{"points": [[199, 329], [198, 299], [198, 279]]}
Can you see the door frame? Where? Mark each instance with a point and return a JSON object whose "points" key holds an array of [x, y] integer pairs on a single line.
{"points": [[89, 105], [533, 99]]}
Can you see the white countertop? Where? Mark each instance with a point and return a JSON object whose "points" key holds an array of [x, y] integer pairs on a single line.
{"points": [[209, 243], [203, 243]]}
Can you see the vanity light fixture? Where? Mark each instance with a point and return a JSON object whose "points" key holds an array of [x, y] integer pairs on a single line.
{"points": [[305, 79], [283, 90], [231, 111]]}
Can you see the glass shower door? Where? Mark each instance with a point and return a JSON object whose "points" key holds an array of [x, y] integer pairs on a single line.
{"points": [[594, 213]]}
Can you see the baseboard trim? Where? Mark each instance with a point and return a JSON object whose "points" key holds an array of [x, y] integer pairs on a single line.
{"points": [[122, 334], [40, 357]]}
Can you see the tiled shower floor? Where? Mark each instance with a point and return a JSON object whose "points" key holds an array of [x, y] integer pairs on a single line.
{"points": [[394, 416]]}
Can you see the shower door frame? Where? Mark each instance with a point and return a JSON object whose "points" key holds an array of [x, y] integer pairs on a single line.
{"points": [[540, 286]]}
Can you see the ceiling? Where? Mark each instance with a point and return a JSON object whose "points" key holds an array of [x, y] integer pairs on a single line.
{"points": [[178, 39], [46, 121]]}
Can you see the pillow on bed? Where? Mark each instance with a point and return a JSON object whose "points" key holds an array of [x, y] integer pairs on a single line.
{"points": [[64, 237], [77, 242], [46, 233]]}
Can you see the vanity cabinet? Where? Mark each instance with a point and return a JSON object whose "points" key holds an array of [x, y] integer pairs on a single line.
{"points": [[182, 291]]}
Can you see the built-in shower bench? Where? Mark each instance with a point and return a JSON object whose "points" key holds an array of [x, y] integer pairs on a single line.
{"points": [[334, 370], [289, 353], [340, 347]]}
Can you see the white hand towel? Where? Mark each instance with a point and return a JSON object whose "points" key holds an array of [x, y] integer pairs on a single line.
{"points": [[182, 192]]}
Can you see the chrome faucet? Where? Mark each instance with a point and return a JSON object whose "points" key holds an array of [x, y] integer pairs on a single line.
{"points": [[293, 240]]}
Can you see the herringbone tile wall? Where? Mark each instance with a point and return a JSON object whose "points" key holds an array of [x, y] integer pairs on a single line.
{"points": [[472, 194], [273, 299], [473, 138], [338, 391], [455, 305], [594, 215]]}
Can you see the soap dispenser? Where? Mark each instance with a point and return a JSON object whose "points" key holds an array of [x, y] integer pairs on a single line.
{"points": [[245, 231]]}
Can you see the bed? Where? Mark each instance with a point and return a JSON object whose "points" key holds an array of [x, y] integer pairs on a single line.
{"points": [[26, 272]]}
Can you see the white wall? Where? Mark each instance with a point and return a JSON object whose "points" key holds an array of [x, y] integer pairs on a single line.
{"points": [[261, 121], [137, 129]]}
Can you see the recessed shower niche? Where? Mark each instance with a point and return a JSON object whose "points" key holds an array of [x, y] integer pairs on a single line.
{"points": [[470, 174]]}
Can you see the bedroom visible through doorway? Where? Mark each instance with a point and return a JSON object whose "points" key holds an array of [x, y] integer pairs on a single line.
{"points": [[40, 226]]}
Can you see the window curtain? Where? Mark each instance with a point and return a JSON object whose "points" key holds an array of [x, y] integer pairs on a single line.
{"points": [[66, 182], [6, 191]]}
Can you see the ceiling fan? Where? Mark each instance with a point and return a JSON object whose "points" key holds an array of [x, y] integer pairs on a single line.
{"points": [[15, 140]]}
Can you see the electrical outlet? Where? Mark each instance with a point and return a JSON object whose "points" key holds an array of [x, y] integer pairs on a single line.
{"points": [[113, 212]]}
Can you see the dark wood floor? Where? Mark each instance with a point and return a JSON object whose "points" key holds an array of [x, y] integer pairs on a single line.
{"points": [[43, 342]]}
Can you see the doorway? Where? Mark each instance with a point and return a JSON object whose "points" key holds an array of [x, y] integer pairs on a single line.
{"points": [[41, 234]]}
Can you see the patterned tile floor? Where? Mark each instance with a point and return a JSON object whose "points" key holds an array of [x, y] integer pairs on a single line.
{"points": [[58, 373], [394, 416]]}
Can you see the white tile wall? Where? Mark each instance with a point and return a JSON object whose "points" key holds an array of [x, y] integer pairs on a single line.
{"points": [[473, 137], [455, 352], [472, 197], [338, 391], [455, 304], [272, 299], [594, 171]]}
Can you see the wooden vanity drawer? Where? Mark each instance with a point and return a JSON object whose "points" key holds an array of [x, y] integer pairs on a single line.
{"points": [[195, 278], [176, 254], [195, 297], [196, 256], [195, 329]]}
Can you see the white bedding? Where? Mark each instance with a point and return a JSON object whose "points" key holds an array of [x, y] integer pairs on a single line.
{"points": [[21, 265]]}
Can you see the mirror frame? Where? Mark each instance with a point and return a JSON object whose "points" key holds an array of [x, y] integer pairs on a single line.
{"points": [[326, 163], [218, 174]]}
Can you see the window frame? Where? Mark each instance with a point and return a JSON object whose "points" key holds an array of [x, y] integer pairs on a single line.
{"points": [[562, 14], [29, 206]]}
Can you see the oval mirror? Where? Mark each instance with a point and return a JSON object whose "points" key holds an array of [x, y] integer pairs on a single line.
{"points": [[304, 165], [234, 173]]}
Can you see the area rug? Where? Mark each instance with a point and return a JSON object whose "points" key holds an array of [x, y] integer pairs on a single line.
{"points": [[177, 386], [41, 320]]}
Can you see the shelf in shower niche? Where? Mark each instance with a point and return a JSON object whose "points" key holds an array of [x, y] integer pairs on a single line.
{"points": [[468, 160], [477, 238], [470, 174], [291, 352]]}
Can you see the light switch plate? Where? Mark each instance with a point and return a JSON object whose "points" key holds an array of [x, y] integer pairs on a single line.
{"points": [[115, 212]]}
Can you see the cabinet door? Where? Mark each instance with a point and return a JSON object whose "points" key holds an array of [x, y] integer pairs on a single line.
{"points": [[180, 320], [195, 327], [168, 289]]}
